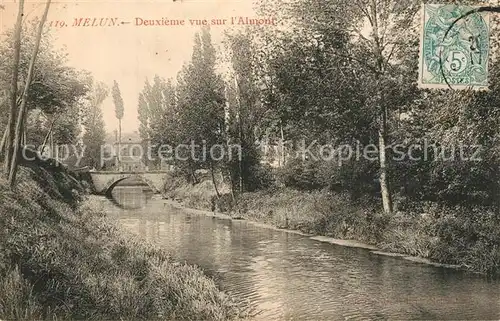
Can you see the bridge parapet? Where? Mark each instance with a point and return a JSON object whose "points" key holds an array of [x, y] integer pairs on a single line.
{"points": [[104, 182]]}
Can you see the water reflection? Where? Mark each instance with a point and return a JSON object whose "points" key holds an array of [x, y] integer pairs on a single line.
{"points": [[131, 197], [291, 277]]}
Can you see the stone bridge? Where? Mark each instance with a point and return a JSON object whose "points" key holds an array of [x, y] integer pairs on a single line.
{"points": [[104, 182]]}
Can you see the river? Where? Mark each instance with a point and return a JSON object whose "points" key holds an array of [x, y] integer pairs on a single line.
{"points": [[285, 276]]}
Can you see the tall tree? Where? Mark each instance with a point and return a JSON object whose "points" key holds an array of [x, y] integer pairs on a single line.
{"points": [[153, 101], [392, 25], [245, 108], [163, 128], [9, 137], [143, 117], [199, 107], [93, 124], [24, 100], [119, 111]]}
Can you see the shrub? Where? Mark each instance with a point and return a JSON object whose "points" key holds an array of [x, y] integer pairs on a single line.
{"points": [[301, 175], [225, 203], [454, 181], [263, 177], [468, 236], [355, 177]]}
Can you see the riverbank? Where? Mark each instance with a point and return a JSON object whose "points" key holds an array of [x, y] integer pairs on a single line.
{"points": [[325, 239], [447, 237], [62, 258]]}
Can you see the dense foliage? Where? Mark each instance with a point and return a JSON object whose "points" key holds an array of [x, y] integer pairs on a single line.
{"points": [[64, 104], [343, 75]]}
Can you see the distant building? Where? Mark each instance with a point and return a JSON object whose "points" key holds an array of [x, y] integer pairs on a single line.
{"points": [[134, 155]]}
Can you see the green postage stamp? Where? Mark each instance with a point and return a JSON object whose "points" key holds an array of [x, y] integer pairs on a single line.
{"points": [[459, 60]]}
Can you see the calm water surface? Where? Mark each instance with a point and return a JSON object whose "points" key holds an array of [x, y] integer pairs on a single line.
{"points": [[285, 276]]}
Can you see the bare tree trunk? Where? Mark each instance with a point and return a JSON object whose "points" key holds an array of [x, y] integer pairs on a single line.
{"points": [[45, 140], [385, 188], [195, 179], [282, 156], [222, 178], [119, 144], [193, 174], [227, 120], [4, 137], [213, 180], [384, 179], [25, 129], [23, 140], [9, 137], [240, 136], [22, 109], [240, 185], [49, 133], [51, 144], [232, 185]]}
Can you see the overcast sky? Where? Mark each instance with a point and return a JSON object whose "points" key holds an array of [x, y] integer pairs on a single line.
{"points": [[128, 53]]}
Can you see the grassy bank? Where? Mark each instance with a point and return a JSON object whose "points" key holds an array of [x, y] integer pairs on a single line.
{"points": [[464, 236], [60, 258]]}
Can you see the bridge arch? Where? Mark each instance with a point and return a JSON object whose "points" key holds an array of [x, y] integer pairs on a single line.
{"points": [[108, 187], [104, 182]]}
